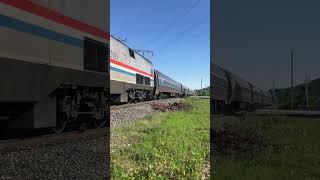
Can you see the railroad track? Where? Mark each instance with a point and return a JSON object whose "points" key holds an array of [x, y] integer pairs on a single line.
{"points": [[26, 141], [114, 107], [297, 113]]}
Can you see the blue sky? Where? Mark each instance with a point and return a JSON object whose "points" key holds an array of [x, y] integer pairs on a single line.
{"points": [[178, 31], [254, 39]]}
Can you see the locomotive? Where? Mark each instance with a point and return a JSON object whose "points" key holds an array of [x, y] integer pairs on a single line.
{"points": [[54, 63], [59, 66], [133, 77], [232, 93]]}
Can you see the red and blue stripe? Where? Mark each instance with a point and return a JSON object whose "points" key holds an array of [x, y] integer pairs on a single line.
{"points": [[55, 16], [18, 25], [124, 69], [12, 23]]}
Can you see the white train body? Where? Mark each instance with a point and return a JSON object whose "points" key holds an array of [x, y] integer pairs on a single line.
{"points": [[128, 71], [53, 52], [55, 39]]}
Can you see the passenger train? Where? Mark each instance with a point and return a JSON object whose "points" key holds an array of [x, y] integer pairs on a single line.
{"points": [[232, 93], [60, 67], [133, 77]]}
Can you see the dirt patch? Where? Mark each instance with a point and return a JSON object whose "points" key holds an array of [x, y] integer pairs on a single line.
{"points": [[206, 172], [171, 107], [228, 142]]}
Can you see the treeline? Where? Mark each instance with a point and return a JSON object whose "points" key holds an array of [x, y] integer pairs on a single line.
{"points": [[299, 96], [203, 92]]}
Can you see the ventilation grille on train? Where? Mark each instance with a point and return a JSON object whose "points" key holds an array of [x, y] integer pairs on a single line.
{"points": [[96, 56]]}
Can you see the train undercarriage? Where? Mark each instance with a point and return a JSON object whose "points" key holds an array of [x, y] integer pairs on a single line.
{"points": [[80, 105], [51, 97], [219, 107], [165, 95], [139, 95], [69, 107]]}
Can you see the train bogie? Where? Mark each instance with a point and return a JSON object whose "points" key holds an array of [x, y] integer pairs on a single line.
{"points": [[50, 50]]}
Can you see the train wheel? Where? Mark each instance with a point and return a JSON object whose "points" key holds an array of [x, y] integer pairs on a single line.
{"points": [[61, 123], [98, 123], [131, 96], [131, 101]]}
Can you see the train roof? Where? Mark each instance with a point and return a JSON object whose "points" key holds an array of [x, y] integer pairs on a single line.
{"points": [[217, 67], [167, 77], [237, 77], [219, 71], [256, 88], [240, 80], [132, 49]]}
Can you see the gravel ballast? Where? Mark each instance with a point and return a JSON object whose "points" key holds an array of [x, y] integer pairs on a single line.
{"points": [[132, 113], [84, 158]]}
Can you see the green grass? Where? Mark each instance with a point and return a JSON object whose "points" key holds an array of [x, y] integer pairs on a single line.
{"points": [[166, 145], [293, 151]]}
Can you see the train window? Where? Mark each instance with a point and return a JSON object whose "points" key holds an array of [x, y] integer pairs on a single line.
{"points": [[139, 79], [147, 80], [131, 53]]}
